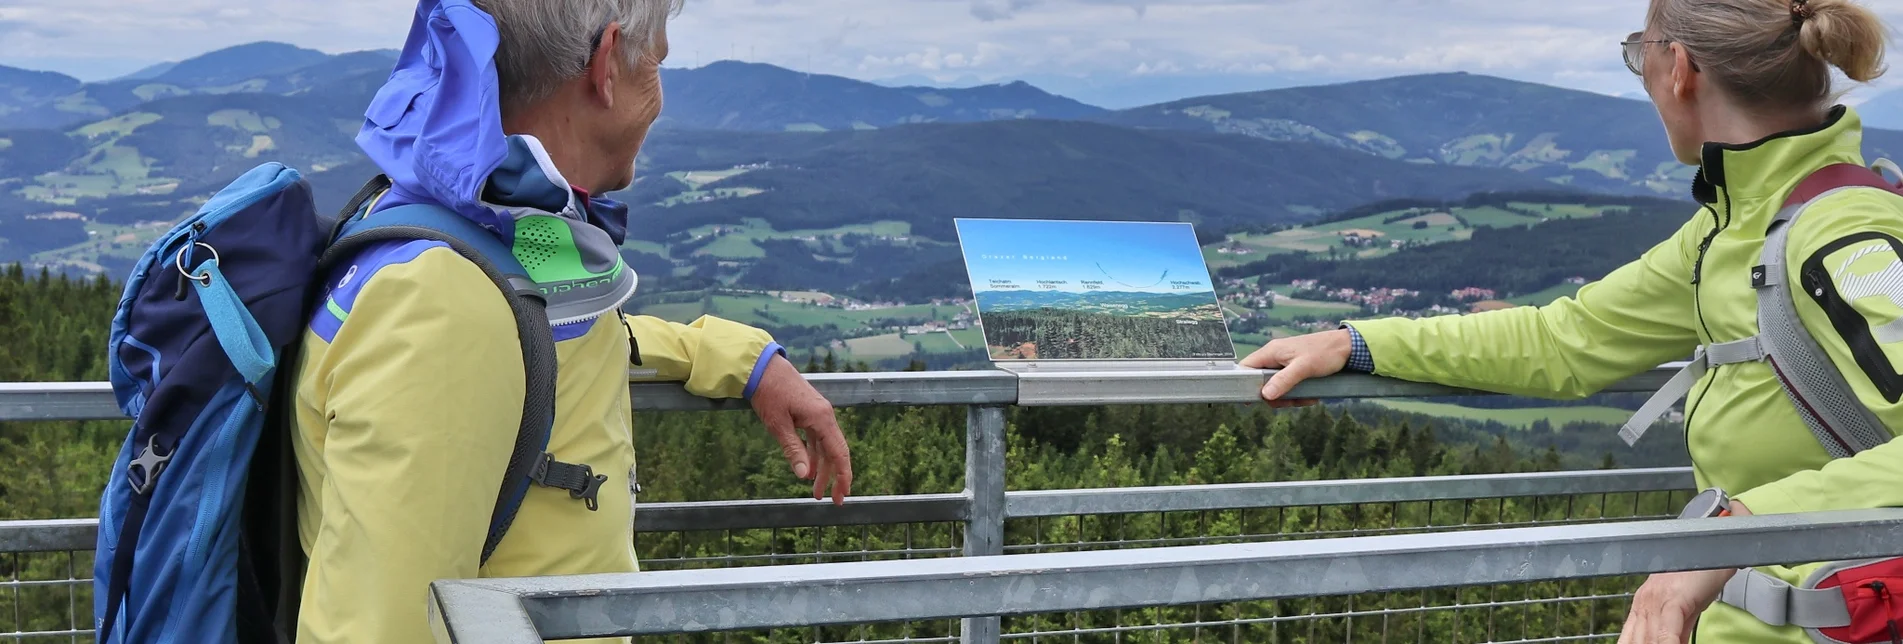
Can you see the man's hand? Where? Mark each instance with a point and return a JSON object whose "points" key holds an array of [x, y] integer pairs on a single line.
{"points": [[1299, 358], [787, 403], [1666, 608]]}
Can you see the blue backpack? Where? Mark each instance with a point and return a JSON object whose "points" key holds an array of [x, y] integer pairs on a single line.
{"points": [[198, 539]]}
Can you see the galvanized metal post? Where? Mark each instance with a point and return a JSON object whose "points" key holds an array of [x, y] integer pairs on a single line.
{"points": [[984, 484]]}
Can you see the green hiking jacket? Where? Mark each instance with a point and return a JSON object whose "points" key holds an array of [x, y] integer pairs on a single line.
{"points": [[1695, 288]]}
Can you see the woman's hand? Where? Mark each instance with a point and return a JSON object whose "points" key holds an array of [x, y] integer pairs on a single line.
{"points": [[1666, 608], [1299, 358]]}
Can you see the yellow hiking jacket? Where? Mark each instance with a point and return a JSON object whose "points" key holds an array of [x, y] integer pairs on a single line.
{"points": [[408, 395], [1695, 288]]}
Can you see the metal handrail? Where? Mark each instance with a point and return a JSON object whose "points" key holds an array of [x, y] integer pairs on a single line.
{"points": [[524, 610], [94, 400]]}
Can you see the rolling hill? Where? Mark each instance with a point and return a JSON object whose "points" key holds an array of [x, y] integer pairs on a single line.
{"points": [[234, 65], [264, 67], [729, 95], [20, 89], [926, 175], [1572, 138]]}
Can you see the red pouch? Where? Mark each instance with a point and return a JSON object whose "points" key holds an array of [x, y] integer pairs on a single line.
{"points": [[1870, 589]]}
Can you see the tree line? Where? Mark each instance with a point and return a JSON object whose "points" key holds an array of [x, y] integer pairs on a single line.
{"points": [[1068, 335]]}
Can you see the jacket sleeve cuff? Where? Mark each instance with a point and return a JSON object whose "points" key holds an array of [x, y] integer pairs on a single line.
{"points": [[1359, 357], [759, 367]]}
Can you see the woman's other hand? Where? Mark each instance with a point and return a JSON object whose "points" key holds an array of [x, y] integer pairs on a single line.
{"points": [[1666, 607], [1299, 358]]}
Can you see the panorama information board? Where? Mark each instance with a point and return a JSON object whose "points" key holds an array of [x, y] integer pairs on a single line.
{"points": [[1092, 290]]}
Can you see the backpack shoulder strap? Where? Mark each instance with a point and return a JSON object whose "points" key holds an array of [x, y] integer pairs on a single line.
{"points": [[487, 252], [1841, 422]]}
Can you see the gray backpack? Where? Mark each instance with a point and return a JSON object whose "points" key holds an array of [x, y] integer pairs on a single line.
{"points": [[1843, 602]]}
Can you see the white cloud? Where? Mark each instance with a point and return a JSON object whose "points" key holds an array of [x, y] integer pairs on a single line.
{"points": [[1568, 43]]}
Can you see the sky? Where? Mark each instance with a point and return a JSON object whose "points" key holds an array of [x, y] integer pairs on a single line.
{"points": [[1115, 53], [1064, 255]]}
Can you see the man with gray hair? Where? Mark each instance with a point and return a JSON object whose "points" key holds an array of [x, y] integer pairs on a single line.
{"points": [[516, 114]]}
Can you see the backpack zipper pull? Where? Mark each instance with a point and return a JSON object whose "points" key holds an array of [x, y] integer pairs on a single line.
{"points": [[634, 346], [1883, 595]]}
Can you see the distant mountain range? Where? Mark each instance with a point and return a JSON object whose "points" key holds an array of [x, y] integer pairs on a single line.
{"points": [[44, 100], [1574, 138], [739, 143], [731, 95]]}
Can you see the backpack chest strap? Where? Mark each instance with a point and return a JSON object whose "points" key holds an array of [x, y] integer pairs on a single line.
{"points": [[1674, 390]]}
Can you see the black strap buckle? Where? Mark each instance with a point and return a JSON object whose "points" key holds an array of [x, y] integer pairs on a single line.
{"points": [[581, 481], [143, 471]]}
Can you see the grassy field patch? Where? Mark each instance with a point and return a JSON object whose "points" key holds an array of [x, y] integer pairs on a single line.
{"points": [[951, 341], [697, 178], [244, 120], [1290, 310], [119, 125], [1541, 150], [1477, 149], [80, 103], [1609, 163], [260, 144], [879, 347], [733, 247], [122, 162], [156, 91], [1438, 219], [645, 246]]}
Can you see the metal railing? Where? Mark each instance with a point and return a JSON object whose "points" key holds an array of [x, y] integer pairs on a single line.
{"points": [[985, 520], [525, 610]]}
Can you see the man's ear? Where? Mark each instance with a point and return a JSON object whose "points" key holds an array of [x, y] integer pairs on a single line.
{"points": [[604, 65]]}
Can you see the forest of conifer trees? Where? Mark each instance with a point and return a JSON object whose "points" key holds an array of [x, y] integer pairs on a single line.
{"points": [[54, 329], [1057, 334]]}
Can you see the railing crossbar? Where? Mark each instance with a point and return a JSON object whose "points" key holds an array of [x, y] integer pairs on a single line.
{"points": [[861, 592], [94, 400]]}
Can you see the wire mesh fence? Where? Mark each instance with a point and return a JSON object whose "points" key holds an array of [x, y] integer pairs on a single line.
{"points": [[49, 596]]}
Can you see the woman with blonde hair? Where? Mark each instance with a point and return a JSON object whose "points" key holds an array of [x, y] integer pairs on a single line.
{"points": [[1744, 88]]}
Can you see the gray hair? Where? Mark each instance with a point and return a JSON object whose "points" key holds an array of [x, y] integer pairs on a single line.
{"points": [[548, 42]]}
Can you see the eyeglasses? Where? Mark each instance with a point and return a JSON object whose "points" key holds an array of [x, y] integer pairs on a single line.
{"points": [[1635, 51]]}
